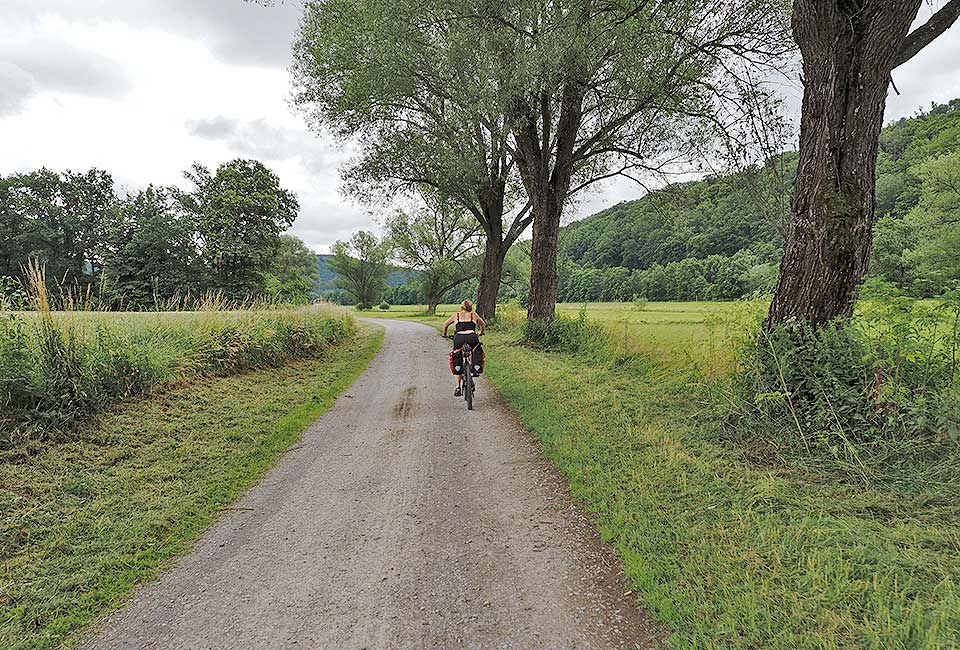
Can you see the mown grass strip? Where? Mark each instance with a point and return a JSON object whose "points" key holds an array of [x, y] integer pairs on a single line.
{"points": [[85, 521], [729, 554]]}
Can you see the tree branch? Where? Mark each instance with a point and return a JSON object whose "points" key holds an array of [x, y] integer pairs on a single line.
{"points": [[925, 34]]}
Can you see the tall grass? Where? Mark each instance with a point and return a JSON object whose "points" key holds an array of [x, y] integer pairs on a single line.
{"points": [[57, 369], [877, 400]]}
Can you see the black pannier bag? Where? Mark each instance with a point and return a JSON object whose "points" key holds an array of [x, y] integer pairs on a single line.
{"points": [[456, 361], [479, 359]]}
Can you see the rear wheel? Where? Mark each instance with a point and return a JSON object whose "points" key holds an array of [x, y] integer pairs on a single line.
{"points": [[468, 384]]}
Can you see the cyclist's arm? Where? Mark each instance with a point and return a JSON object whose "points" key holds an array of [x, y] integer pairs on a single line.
{"points": [[482, 325], [447, 324]]}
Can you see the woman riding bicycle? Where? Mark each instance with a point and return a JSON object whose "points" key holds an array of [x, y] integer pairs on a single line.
{"points": [[468, 326]]}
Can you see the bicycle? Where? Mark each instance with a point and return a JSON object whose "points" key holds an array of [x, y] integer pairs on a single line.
{"points": [[466, 374]]}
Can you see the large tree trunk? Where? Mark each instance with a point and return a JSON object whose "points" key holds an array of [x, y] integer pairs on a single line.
{"points": [[490, 276], [546, 189], [543, 258], [849, 50], [432, 301]]}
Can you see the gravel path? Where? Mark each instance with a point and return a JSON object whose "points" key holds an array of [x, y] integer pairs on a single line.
{"points": [[400, 520]]}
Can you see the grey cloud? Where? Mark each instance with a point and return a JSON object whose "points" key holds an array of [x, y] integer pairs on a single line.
{"points": [[260, 139], [58, 66], [16, 87], [237, 31], [214, 128], [322, 222], [930, 76]]}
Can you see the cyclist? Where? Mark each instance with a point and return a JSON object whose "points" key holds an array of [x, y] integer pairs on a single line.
{"points": [[468, 326]]}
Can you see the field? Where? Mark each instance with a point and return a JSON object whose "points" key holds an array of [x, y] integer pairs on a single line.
{"points": [[125, 435], [702, 331], [58, 369]]}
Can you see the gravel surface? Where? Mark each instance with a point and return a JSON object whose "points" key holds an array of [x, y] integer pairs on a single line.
{"points": [[400, 520]]}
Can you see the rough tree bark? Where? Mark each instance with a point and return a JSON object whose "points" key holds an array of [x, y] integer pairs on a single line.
{"points": [[492, 202], [849, 50], [490, 276], [543, 256], [547, 188]]}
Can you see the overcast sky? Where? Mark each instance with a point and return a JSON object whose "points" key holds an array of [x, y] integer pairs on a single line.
{"points": [[143, 88]]}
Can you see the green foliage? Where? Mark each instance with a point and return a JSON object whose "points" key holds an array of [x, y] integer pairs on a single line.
{"points": [[13, 296], [240, 211], [715, 216], [384, 306], [154, 254], [713, 278], [567, 334], [409, 293], [915, 238], [151, 248], [361, 267], [868, 399], [294, 272], [58, 370], [440, 241], [61, 219]]}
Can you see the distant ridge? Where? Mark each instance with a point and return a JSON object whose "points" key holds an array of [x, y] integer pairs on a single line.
{"points": [[328, 276]]}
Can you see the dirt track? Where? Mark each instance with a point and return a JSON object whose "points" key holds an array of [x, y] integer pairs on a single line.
{"points": [[399, 520]]}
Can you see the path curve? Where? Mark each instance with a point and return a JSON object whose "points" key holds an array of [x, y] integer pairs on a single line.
{"points": [[400, 520]]}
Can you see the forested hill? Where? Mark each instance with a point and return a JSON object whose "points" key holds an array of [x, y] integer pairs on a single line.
{"points": [[715, 216], [714, 238], [325, 281]]}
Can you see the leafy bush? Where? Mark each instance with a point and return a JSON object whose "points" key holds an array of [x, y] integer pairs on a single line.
{"points": [[567, 335], [59, 369], [639, 302], [384, 305], [875, 392], [13, 297]]}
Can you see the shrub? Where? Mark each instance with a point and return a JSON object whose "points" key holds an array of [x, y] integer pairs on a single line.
{"points": [[861, 396], [639, 302], [13, 297], [567, 335], [384, 305]]}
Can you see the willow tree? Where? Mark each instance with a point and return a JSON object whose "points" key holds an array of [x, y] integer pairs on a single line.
{"points": [[594, 90], [407, 84], [849, 51], [438, 239]]}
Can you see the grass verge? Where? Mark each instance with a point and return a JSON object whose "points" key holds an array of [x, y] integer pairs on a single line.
{"points": [[84, 521], [57, 369], [727, 553]]}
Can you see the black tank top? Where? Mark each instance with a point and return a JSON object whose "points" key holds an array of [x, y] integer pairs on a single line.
{"points": [[465, 325]]}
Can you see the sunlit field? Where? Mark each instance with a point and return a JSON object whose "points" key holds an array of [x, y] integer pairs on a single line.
{"points": [[705, 333]]}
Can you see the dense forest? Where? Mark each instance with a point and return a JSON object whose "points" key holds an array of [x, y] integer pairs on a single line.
{"points": [[717, 238]]}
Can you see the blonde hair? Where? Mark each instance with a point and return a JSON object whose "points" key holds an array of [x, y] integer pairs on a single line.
{"points": [[467, 305]]}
